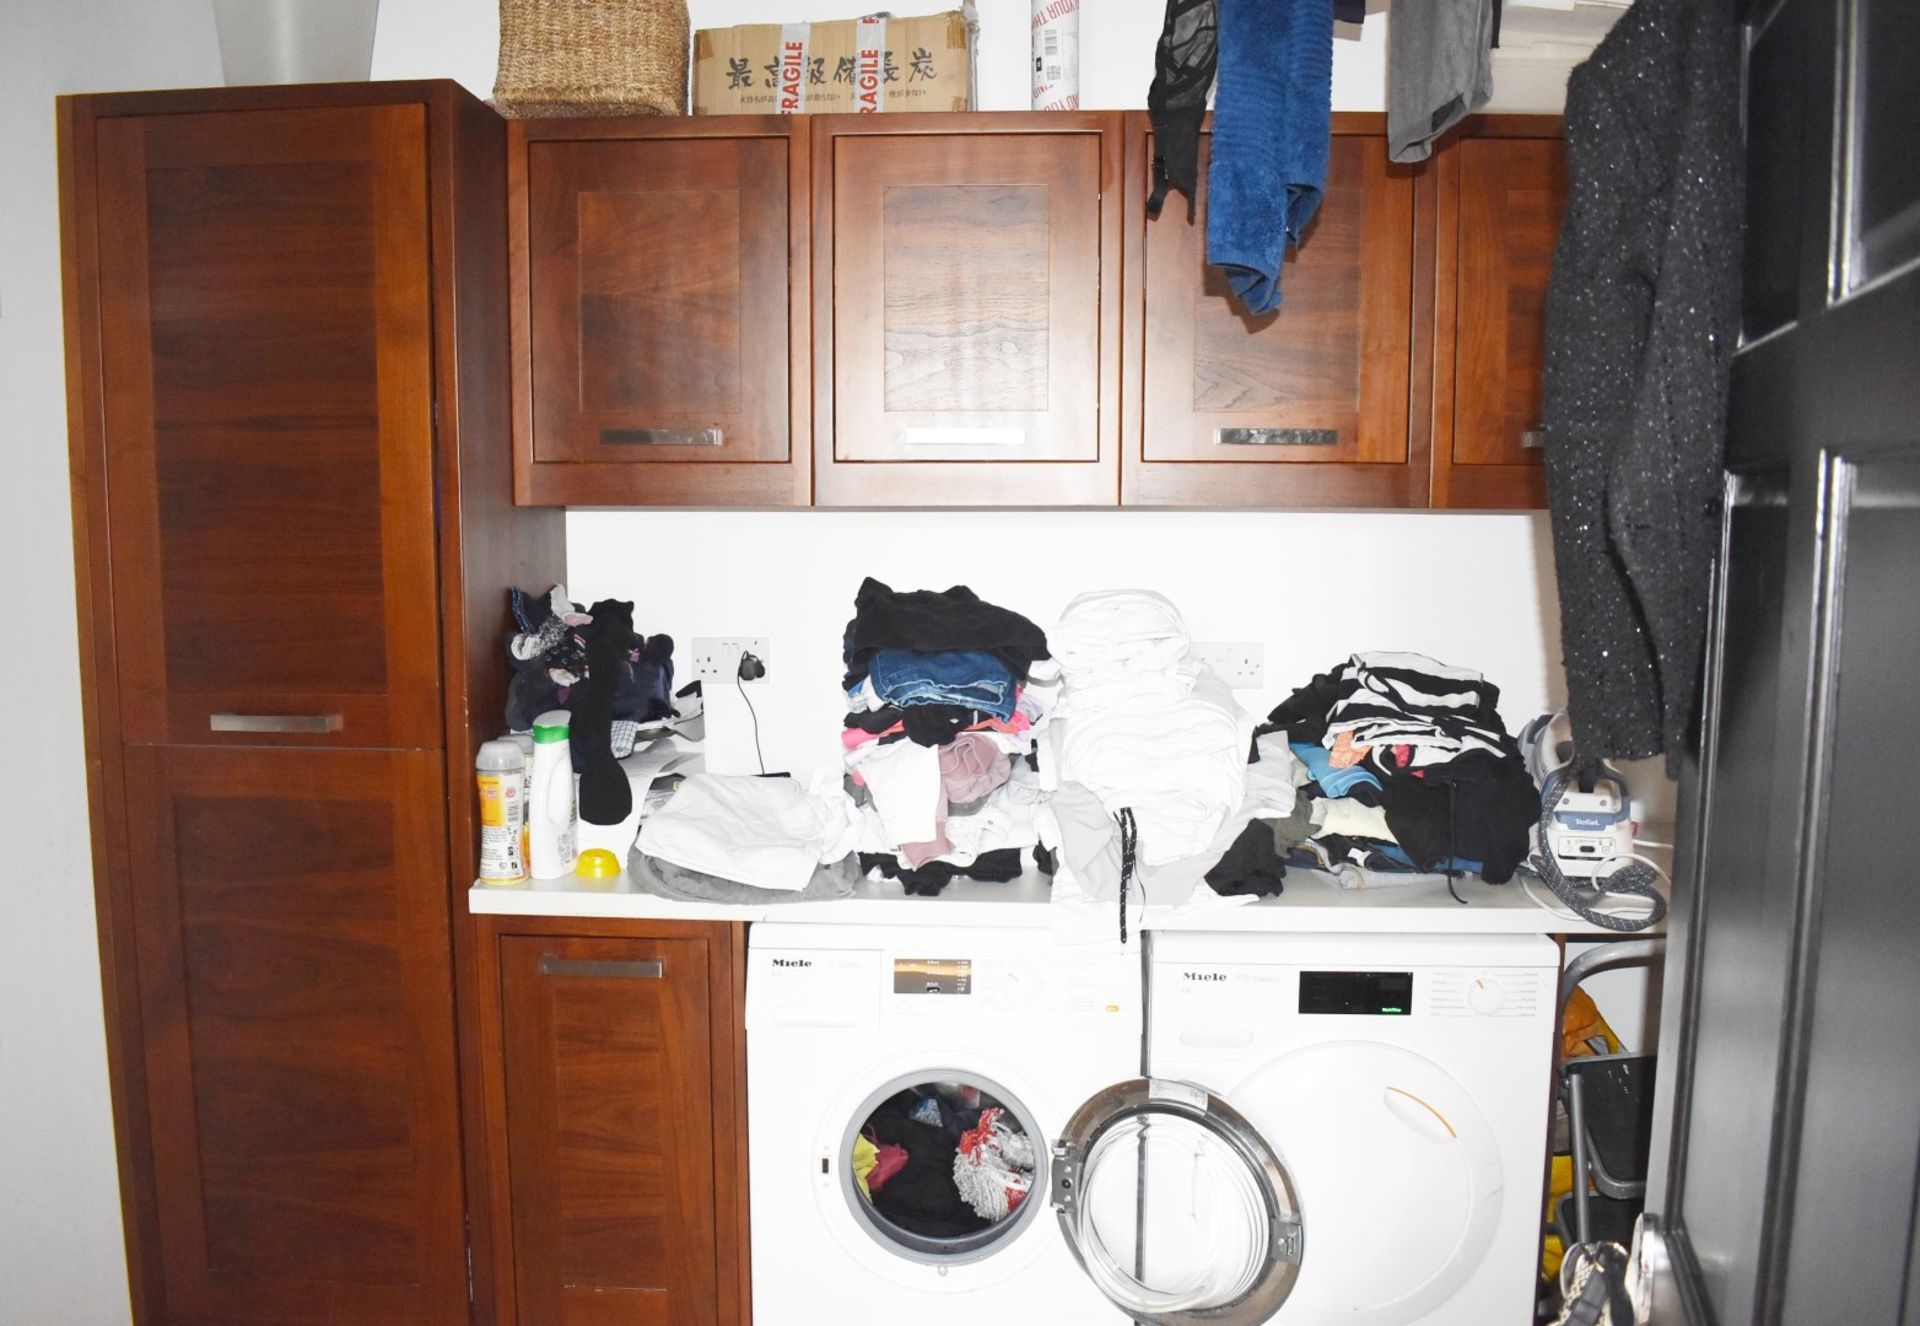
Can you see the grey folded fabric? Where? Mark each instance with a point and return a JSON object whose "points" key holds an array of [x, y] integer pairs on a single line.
{"points": [[666, 880]]}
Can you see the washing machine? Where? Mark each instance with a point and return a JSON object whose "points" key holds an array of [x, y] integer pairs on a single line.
{"points": [[1335, 1129], [1352, 1130], [850, 1028]]}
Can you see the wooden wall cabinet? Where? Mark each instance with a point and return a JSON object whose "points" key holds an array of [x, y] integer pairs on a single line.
{"points": [[285, 314], [1503, 188], [974, 310], [660, 311], [1319, 403], [616, 1120], [966, 280]]}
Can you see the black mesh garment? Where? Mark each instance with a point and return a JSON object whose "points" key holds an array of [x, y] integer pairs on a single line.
{"points": [[1183, 68]]}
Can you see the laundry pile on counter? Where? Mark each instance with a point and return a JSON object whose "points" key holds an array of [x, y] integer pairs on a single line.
{"points": [[945, 694], [1116, 763], [1150, 754], [734, 838], [942, 1160], [1409, 769], [1142, 726]]}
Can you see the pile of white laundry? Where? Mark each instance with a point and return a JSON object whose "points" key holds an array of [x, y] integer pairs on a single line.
{"points": [[1144, 728]]}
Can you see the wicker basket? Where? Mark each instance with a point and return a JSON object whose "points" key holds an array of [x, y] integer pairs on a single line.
{"points": [[592, 57]]}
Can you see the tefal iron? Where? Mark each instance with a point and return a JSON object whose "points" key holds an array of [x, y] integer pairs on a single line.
{"points": [[1590, 823]]}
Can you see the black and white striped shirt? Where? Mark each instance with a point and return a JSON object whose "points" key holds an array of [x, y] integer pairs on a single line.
{"points": [[1394, 699]]}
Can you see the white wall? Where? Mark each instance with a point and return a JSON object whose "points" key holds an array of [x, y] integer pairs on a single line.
{"points": [[61, 1258], [1471, 589], [460, 39]]}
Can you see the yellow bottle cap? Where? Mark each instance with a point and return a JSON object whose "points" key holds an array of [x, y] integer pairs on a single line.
{"points": [[597, 863]]}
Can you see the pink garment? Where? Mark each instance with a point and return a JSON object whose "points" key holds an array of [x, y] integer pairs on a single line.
{"points": [[918, 854], [971, 766], [853, 738], [889, 1162]]}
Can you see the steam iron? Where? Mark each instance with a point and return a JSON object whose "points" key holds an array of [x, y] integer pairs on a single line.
{"points": [[1591, 822]]}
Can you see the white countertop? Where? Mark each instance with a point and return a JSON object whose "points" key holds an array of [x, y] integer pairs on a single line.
{"points": [[1312, 902]]}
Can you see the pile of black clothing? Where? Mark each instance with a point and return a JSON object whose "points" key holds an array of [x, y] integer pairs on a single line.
{"points": [[940, 720], [1430, 779], [610, 678]]}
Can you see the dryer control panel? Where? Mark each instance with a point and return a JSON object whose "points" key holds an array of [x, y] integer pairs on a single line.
{"points": [[1388, 993], [1512, 992]]}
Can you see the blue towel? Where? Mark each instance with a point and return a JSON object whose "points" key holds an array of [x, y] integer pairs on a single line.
{"points": [[1272, 133], [1334, 782]]}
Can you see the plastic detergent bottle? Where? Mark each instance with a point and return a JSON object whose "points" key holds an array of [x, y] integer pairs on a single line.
{"points": [[524, 740], [550, 812], [500, 770]]}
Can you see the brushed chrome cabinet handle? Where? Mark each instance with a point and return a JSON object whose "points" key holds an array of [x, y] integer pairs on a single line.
{"points": [[275, 722], [660, 437], [643, 969], [1276, 437], [1534, 439]]}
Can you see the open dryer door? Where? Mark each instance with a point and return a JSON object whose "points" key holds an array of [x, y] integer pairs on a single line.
{"points": [[1176, 1207]]}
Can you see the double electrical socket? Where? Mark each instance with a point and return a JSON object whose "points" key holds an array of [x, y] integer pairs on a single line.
{"points": [[716, 658], [1239, 663]]}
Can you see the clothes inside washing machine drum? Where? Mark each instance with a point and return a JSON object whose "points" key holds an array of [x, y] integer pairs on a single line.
{"points": [[968, 1168], [922, 1198]]}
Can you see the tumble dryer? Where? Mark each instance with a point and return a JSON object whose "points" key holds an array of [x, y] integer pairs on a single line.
{"points": [[1403, 1081]]}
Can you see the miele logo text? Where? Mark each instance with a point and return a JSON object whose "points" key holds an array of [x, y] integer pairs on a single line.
{"points": [[793, 962], [1204, 975], [793, 73]]}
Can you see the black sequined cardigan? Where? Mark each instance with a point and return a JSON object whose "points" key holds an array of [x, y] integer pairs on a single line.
{"points": [[1642, 318]]}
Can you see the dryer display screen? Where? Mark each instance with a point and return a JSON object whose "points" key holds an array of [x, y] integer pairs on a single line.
{"points": [[1388, 993]]}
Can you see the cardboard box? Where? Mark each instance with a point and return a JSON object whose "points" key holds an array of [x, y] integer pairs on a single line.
{"points": [[876, 63]]}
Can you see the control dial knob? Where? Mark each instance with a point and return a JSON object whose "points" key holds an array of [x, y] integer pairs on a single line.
{"points": [[1487, 995]]}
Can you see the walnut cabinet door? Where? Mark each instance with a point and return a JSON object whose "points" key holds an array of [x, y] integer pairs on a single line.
{"points": [[1321, 402], [266, 397], [966, 282], [615, 1120], [1503, 186], [290, 918], [659, 297]]}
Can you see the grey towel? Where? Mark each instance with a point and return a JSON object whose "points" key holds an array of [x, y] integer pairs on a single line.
{"points": [[1439, 70], [664, 879]]}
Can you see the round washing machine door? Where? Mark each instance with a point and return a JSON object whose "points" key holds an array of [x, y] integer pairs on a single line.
{"points": [[1399, 1168], [935, 1169], [1177, 1208]]}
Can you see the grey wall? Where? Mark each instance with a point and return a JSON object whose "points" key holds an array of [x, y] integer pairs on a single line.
{"points": [[61, 1258]]}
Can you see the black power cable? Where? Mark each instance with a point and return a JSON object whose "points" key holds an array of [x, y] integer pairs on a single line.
{"points": [[751, 666]]}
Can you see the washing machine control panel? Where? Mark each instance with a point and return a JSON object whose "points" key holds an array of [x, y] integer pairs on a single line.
{"points": [[932, 976], [1491, 992]]}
